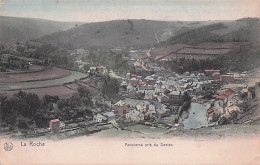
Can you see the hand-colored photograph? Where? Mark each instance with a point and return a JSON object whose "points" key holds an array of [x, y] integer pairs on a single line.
{"points": [[103, 82]]}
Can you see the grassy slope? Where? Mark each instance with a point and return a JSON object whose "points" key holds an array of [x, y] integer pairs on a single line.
{"points": [[126, 33], [226, 31], [13, 29]]}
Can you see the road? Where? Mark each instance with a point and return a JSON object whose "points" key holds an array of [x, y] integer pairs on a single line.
{"points": [[156, 37]]}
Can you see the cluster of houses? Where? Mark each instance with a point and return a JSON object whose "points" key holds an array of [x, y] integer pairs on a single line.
{"points": [[224, 78], [97, 70], [131, 113], [164, 89], [224, 104]]}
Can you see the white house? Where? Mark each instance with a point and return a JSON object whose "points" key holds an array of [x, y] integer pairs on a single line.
{"points": [[99, 118]]}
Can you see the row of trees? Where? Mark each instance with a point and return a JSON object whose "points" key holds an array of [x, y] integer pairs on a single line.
{"points": [[188, 65], [109, 86], [52, 55], [109, 59], [22, 108], [245, 58]]}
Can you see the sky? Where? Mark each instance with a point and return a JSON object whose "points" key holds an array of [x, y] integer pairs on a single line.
{"points": [[104, 10]]}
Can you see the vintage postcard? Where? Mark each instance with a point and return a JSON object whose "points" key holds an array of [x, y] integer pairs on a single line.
{"points": [[129, 82]]}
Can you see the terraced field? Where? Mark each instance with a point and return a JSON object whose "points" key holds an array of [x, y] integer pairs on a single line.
{"points": [[51, 73], [202, 51], [49, 82]]}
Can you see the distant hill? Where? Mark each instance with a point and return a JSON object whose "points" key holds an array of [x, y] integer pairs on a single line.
{"points": [[242, 30], [13, 29], [119, 33]]}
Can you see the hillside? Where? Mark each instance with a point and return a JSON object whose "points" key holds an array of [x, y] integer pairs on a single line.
{"points": [[123, 33], [242, 30], [13, 29]]}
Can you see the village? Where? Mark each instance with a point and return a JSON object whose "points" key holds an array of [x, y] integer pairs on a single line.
{"points": [[150, 95], [164, 99]]}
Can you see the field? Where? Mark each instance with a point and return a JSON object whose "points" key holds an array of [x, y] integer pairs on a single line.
{"points": [[226, 45], [160, 52], [52, 91], [54, 81], [52, 73], [204, 50]]}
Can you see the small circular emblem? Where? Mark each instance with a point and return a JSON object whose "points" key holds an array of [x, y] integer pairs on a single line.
{"points": [[8, 146]]}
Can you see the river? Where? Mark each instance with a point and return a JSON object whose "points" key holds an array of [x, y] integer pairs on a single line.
{"points": [[197, 117]]}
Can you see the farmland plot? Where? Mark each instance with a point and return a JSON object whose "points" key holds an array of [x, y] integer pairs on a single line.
{"points": [[45, 83], [33, 76], [52, 91]]}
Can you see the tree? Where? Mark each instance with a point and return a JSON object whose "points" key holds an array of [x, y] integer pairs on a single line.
{"points": [[34, 103], [62, 103], [41, 117], [110, 86], [83, 91], [50, 99]]}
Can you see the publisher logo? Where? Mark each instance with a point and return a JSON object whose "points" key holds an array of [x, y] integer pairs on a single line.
{"points": [[8, 146]]}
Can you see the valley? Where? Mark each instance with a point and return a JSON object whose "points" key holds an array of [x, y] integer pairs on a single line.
{"points": [[132, 78]]}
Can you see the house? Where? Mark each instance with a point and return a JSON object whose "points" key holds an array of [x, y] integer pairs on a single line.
{"points": [[226, 79], [93, 70], [226, 95], [150, 113], [55, 125], [143, 106], [162, 110], [210, 113], [232, 108], [149, 94], [133, 81], [225, 98], [142, 83], [109, 115], [99, 118], [216, 75], [121, 107], [132, 94], [101, 69], [128, 76], [133, 75], [134, 116], [158, 88], [129, 88], [150, 80], [145, 87]]}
